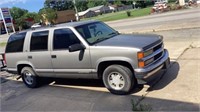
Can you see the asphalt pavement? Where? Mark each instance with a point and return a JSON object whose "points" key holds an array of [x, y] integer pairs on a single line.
{"points": [[182, 19]]}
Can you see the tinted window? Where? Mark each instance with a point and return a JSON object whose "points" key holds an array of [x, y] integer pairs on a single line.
{"points": [[15, 43], [63, 38], [39, 41]]}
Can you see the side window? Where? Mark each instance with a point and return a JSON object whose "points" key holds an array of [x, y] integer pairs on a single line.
{"points": [[15, 43], [63, 38], [39, 41]]}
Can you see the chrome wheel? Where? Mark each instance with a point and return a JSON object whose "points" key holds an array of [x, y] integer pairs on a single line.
{"points": [[28, 77], [116, 80]]}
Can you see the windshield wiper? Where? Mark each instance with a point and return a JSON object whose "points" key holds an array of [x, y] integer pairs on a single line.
{"points": [[101, 39], [104, 38]]}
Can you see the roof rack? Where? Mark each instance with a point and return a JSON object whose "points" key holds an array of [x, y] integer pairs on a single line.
{"points": [[47, 26]]}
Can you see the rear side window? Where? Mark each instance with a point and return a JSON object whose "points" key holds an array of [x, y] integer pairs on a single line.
{"points": [[63, 38], [39, 41], [15, 43]]}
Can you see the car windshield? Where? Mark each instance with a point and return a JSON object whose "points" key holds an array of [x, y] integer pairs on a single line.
{"points": [[96, 32]]}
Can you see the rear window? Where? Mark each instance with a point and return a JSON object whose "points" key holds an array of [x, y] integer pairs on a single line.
{"points": [[15, 43], [39, 41]]}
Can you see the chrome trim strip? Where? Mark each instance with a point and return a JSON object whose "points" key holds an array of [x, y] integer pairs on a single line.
{"points": [[154, 46], [153, 72], [11, 69], [85, 71]]}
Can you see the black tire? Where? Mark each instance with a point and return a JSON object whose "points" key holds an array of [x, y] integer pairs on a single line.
{"points": [[120, 73], [34, 83]]}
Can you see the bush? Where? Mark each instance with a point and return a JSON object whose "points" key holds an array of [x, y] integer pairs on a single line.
{"points": [[128, 13]]}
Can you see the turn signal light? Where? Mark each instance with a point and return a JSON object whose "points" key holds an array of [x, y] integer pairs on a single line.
{"points": [[140, 55], [141, 64]]}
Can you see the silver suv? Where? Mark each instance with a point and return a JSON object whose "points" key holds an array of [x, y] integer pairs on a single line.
{"points": [[88, 49]]}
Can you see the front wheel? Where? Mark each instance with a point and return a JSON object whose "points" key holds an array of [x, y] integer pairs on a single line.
{"points": [[29, 77], [118, 79]]}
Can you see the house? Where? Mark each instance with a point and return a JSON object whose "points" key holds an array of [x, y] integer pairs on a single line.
{"points": [[100, 9], [86, 14], [65, 16], [62, 17], [94, 11]]}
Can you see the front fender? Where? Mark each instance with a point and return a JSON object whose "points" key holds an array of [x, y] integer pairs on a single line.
{"points": [[124, 59]]}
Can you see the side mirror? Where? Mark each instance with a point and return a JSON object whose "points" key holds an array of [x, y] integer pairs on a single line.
{"points": [[76, 47]]}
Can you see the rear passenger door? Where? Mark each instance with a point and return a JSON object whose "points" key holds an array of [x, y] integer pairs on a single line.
{"points": [[15, 51], [69, 64], [39, 53]]}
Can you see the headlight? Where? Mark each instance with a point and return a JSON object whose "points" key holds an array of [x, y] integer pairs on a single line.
{"points": [[144, 54], [141, 55], [147, 53]]}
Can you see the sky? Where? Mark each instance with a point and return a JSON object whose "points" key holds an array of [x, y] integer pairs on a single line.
{"points": [[30, 5]]}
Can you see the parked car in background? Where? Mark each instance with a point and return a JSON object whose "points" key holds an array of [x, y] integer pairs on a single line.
{"points": [[160, 7], [86, 49]]}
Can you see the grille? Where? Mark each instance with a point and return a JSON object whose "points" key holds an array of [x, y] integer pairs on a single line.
{"points": [[157, 54], [157, 47]]}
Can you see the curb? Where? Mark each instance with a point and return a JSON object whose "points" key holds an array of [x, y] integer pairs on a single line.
{"points": [[158, 30]]}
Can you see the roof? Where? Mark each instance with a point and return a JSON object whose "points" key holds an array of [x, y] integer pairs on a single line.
{"points": [[84, 12], [95, 8], [79, 23]]}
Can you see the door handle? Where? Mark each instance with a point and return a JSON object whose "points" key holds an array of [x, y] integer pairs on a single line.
{"points": [[30, 57], [53, 56]]}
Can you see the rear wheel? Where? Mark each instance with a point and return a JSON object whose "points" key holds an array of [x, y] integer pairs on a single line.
{"points": [[118, 79], [29, 77]]}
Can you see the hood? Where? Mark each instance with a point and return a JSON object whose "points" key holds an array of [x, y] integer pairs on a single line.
{"points": [[137, 41]]}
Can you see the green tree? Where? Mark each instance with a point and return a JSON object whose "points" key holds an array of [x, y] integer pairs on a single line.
{"points": [[48, 14], [33, 15], [18, 15], [93, 3], [59, 5], [17, 12], [118, 2], [81, 5]]}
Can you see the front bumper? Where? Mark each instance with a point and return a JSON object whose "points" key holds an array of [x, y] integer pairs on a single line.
{"points": [[144, 75]]}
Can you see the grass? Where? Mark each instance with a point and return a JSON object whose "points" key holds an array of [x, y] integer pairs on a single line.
{"points": [[122, 15], [2, 44]]}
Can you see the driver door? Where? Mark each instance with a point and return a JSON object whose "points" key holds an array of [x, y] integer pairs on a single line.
{"points": [[69, 64]]}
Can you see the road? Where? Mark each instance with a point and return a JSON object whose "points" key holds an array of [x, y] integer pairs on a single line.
{"points": [[158, 22], [177, 89]]}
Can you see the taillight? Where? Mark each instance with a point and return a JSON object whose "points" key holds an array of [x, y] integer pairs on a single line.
{"points": [[4, 58]]}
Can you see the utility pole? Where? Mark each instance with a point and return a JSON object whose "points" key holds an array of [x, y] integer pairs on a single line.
{"points": [[181, 2], [77, 16]]}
